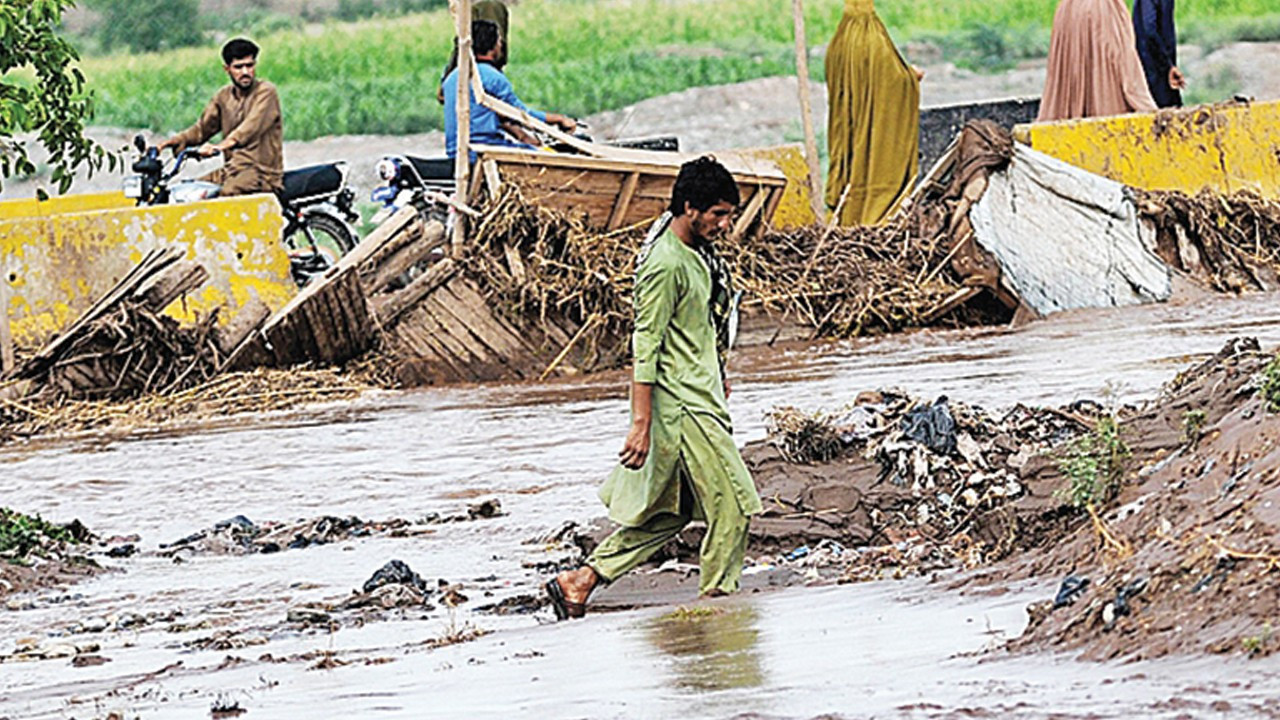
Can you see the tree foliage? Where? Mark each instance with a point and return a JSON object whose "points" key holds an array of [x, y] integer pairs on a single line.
{"points": [[42, 93], [148, 25]]}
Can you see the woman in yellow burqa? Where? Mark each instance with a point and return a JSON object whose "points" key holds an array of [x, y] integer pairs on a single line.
{"points": [[873, 118]]}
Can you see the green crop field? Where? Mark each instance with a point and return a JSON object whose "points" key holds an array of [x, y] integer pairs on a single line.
{"points": [[580, 56]]}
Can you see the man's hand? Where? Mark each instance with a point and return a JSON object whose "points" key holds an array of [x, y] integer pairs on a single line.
{"points": [[1177, 80], [564, 122], [919, 73], [207, 150], [636, 448], [727, 390]]}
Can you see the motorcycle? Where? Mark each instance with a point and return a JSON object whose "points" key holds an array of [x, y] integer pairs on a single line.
{"points": [[316, 203]]}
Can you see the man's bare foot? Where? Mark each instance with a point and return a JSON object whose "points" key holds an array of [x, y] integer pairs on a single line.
{"points": [[714, 593], [577, 584]]}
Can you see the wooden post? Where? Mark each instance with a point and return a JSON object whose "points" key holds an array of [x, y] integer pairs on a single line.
{"points": [[6, 335], [462, 167], [806, 108]]}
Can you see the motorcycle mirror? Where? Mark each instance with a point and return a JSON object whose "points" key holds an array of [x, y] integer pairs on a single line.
{"points": [[139, 143]]}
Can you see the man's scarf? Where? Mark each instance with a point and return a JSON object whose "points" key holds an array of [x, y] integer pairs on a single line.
{"points": [[720, 307]]}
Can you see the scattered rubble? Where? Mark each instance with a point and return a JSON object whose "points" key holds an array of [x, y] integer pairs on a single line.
{"points": [[893, 484], [240, 536]]}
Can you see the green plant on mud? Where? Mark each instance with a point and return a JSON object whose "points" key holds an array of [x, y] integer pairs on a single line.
{"points": [[1271, 384], [22, 535], [1094, 464], [1192, 426], [1256, 645]]}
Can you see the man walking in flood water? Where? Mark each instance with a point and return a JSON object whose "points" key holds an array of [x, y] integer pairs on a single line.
{"points": [[679, 461]]}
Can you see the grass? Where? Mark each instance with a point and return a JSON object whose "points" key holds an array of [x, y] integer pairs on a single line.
{"points": [[23, 535], [1094, 465], [1271, 384], [576, 56]]}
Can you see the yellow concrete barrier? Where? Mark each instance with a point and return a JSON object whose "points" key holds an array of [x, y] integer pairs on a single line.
{"points": [[60, 204], [795, 209], [1225, 148], [57, 264]]}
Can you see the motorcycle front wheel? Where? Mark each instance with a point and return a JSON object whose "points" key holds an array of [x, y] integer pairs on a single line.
{"points": [[332, 239]]}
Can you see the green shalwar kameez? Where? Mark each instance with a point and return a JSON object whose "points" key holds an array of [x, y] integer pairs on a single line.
{"points": [[693, 470]]}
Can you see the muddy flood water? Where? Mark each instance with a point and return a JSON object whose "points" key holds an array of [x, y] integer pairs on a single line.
{"points": [[889, 649]]}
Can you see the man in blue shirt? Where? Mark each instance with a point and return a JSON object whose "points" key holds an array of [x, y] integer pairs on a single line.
{"points": [[486, 125], [1158, 48]]}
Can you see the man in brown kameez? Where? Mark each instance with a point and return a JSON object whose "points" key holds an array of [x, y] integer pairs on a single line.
{"points": [[247, 115], [1094, 69]]}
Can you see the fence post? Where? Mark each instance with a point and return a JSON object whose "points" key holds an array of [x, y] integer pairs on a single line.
{"points": [[462, 166], [806, 109]]}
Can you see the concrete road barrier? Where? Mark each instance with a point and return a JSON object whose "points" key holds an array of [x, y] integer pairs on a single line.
{"points": [[59, 255]]}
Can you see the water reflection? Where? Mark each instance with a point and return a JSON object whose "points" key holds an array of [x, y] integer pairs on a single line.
{"points": [[711, 647]]}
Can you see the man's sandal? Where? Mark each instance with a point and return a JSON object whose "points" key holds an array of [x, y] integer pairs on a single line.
{"points": [[565, 610]]}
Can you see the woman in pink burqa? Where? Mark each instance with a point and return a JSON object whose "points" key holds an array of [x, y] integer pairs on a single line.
{"points": [[1094, 67]]}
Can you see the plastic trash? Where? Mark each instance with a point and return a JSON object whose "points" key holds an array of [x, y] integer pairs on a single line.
{"points": [[395, 572], [1071, 589], [932, 426]]}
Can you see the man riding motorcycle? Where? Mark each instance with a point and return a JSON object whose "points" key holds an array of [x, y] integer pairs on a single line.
{"points": [[247, 115]]}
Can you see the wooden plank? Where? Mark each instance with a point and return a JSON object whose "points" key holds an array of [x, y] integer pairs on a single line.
{"points": [[749, 214], [415, 346], [389, 308], [770, 208], [952, 302], [406, 237], [467, 71], [381, 235], [646, 161], [396, 265], [7, 358], [472, 323], [806, 108], [162, 288], [485, 362], [475, 315], [623, 201], [566, 180], [440, 330], [492, 177], [331, 335]]}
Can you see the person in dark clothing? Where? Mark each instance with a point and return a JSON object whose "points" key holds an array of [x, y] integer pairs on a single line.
{"points": [[1158, 48]]}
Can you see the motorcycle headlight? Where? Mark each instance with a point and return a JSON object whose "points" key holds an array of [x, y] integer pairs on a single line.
{"points": [[388, 169], [133, 186]]}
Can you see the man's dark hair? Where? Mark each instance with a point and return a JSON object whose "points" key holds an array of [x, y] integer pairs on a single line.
{"points": [[238, 49], [484, 36], [703, 182]]}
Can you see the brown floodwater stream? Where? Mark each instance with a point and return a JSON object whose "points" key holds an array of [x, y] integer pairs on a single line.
{"points": [[905, 649]]}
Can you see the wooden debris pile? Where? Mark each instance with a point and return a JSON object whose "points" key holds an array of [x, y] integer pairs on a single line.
{"points": [[123, 346], [536, 264], [1229, 242]]}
